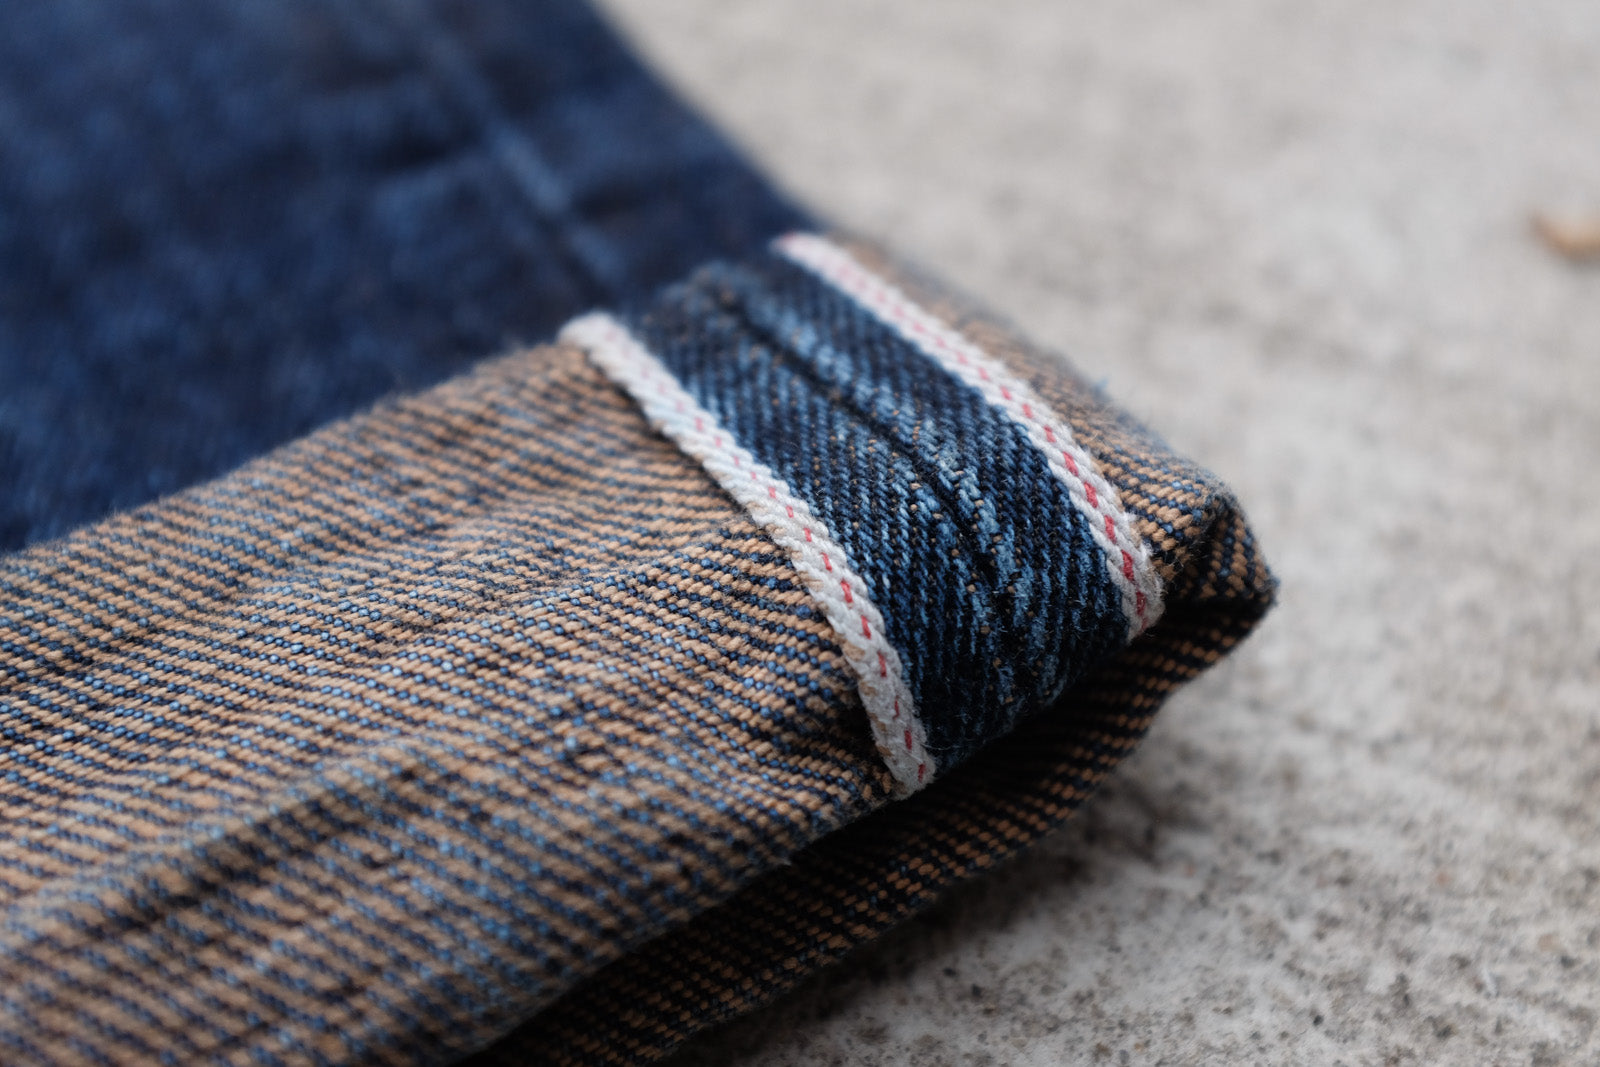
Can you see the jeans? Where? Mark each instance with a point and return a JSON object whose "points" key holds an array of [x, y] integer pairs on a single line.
{"points": [[389, 673], [224, 224]]}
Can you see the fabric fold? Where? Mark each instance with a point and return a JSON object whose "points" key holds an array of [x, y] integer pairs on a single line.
{"points": [[495, 715]]}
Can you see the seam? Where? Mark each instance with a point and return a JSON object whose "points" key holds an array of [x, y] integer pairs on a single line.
{"points": [[784, 350], [1126, 554], [822, 563]]}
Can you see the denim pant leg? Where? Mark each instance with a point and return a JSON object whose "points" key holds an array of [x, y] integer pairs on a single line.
{"points": [[223, 224]]}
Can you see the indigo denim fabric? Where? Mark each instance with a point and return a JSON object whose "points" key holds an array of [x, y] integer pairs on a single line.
{"points": [[486, 722], [991, 585], [224, 223]]}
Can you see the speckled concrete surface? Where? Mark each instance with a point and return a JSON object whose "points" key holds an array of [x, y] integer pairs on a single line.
{"points": [[1292, 235]]}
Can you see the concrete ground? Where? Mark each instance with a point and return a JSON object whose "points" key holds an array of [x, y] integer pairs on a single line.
{"points": [[1293, 235]]}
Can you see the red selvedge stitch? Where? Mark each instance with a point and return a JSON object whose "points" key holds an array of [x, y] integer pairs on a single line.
{"points": [[907, 315], [664, 388], [849, 598], [898, 315]]}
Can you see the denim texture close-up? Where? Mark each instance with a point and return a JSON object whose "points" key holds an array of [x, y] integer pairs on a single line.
{"points": [[223, 224], [990, 582], [486, 578]]}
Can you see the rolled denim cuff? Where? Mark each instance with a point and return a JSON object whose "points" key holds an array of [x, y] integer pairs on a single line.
{"points": [[594, 696]]}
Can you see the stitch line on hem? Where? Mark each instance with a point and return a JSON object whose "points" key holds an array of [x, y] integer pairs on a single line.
{"points": [[823, 564], [1127, 556]]}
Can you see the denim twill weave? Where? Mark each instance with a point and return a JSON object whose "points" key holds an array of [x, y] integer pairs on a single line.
{"points": [[486, 723], [224, 223], [852, 885], [369, 750], [989, 579], [818, 558], [490, 709], [1126, 555]]}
